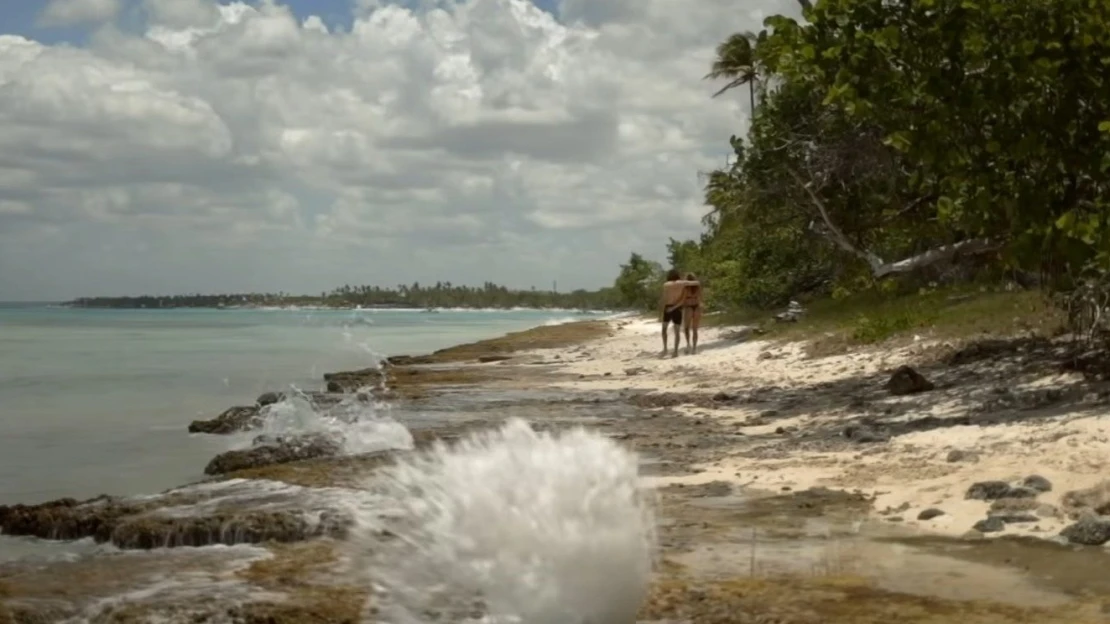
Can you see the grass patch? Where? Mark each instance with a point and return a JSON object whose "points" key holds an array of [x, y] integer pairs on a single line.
{"points": [[835, 326]]}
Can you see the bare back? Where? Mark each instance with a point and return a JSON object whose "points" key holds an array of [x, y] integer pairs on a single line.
{"points": [[674, 293]]}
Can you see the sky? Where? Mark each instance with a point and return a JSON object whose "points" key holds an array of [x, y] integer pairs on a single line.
{"points": [[180, 146]]}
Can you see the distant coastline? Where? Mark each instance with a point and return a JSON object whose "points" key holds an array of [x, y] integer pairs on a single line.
{"points": [[441, 296]]}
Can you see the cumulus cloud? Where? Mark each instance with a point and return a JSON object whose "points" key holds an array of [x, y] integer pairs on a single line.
{"points": [[248, 147], [73, 12]]}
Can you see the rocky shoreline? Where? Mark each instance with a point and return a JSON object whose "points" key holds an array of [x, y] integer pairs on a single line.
{"points": [[736, 542]]}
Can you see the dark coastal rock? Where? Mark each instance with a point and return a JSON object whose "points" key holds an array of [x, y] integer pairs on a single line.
{"points": [[489, 359], [929, 514], [989, 525], [232, 420], [146, 523], [993, 490], [67, 518], [962, 456], [352, 381], [269, 398], [279, 450], [145, 532], [906, 380], [1088, 532], [1037, 483]]}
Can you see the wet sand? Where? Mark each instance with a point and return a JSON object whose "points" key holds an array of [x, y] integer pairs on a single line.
{"points": [[789, 488]]}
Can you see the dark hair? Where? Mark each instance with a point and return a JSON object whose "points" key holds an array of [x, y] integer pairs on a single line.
{"points": [[673, 275]]}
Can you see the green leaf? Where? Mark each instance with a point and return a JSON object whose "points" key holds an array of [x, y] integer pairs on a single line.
{"points": [[945, 207], [1066, 221], [899, 141]]}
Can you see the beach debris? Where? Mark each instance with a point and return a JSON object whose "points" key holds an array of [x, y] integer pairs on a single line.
{"points": [[905, 380], [794, 311]]}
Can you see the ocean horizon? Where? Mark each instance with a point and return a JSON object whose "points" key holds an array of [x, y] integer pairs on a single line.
{"points": [[97, 401]]}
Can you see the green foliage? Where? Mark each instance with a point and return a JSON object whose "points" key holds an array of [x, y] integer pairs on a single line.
{"points": [[637, 285], [888, 130]]}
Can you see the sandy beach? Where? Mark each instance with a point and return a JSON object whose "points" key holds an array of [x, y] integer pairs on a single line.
{"points": [[790, 489], [1009, 416]]}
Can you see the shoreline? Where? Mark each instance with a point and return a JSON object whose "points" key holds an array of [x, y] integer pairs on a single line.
{"points": [[748, 433]]}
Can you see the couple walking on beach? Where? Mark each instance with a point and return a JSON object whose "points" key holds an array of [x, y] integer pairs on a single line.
{"points": [[681, 308]]}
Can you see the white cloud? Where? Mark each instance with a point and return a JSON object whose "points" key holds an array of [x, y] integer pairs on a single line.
{"points": [[73, 12], [243, 147]]}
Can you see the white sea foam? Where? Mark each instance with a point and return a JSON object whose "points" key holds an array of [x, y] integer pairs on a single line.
{"points": [[531, 527]]}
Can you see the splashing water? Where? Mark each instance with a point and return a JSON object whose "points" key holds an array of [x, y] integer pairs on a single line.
{"points": [[511, 526], [360, 427]]}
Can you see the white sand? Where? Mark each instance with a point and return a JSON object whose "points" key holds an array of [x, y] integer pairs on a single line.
{"points": [[911, 472]]}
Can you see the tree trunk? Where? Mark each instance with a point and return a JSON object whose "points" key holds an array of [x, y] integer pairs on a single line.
{"points": [[879, 268], [751, 96]]}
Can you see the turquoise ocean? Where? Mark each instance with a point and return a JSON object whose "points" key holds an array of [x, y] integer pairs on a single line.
{"points": [[97, 401]]}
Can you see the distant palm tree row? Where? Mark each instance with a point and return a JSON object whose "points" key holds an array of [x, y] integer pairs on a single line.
{"points": [[441, 295]]}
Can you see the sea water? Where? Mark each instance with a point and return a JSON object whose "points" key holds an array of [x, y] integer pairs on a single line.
{"points": [[507, 526], [98, 401]]}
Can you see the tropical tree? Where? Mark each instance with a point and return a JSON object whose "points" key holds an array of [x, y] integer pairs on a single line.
{"points": [[736, 61]]}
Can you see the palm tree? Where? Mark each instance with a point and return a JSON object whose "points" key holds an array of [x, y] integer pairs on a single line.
{"points": [[736, 61]]}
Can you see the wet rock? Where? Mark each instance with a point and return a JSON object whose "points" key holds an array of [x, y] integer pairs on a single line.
{"points": [[905, 380], [929, 514], [1088, 532], [280, 450], [487, 359], [1037, 483], [352, 381], [246, 527], [989, 525], [269, 398], [992, 490], [962, 456], [232, 420], [66, 518], [164, 521]]}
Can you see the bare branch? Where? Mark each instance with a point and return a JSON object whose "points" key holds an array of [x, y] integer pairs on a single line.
{"points": [[879, 268], [835, 234]]}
